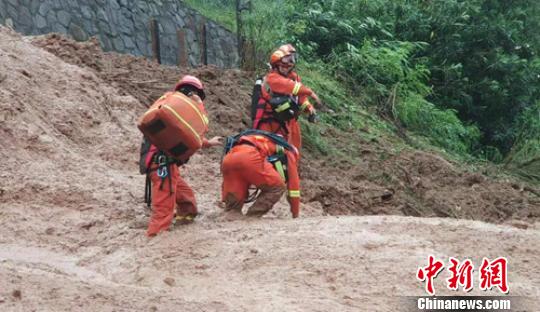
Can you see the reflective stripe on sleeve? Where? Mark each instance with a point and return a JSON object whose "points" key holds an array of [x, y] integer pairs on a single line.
{"points": [[304, 106], [296, 88]]}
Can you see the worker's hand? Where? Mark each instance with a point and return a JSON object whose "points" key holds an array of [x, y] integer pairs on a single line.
{"points": [[316, 98], [311, 109], [313, 118], [215, 141]]}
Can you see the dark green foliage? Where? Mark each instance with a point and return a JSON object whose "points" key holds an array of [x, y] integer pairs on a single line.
{"points": [[416, 59], [483, 58], [525, 153], [463, 73]]}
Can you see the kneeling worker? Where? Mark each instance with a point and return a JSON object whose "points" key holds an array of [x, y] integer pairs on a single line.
{"points": [[265, 160]]}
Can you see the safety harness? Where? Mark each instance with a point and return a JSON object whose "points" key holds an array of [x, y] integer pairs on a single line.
{"points": [[278, 160], [283, 107], [163, 161]]}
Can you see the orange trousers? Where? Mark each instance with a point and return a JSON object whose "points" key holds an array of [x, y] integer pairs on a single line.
{"points": [[243, 166], [295, 135], [168, 195]]}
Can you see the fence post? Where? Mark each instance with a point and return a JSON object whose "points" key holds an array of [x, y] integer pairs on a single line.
{"points": [[182, 50], [154, 32], [203, 44], [239, 30]]}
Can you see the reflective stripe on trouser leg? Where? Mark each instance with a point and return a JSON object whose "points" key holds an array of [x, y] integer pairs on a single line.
{"points": [[294, 193]]}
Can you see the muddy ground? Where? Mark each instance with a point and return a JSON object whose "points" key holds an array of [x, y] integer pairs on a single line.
{"points": [[73, 218]]}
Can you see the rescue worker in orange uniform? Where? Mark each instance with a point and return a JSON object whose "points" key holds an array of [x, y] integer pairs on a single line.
{"points": [[270, 165], [283, 80], [172, 191]]}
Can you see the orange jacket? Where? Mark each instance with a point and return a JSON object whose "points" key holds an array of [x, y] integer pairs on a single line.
{"points": [[303, 99], [274, 82], [268, 148]]}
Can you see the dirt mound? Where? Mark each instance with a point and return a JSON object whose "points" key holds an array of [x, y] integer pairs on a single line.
{"points": [[73, 219], [227, 90], [409, 183], [60, 123]]}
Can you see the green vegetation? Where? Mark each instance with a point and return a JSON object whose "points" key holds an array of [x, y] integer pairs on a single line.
{"points": [[223, 12], [465, 75]]}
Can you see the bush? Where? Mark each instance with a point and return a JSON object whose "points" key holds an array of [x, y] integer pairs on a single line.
{"points": [[442, 127]]}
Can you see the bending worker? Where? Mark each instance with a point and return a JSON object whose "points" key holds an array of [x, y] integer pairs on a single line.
{"points": [[268, 162], [283, 81], [172, 191]]}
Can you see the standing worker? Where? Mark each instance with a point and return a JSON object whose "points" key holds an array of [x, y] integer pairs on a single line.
{"points": [[282, 88], [168, 189], [265, 160]]}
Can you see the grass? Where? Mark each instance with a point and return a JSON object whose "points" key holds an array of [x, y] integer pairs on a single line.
{"points": [[222, 12], [344, 121]]}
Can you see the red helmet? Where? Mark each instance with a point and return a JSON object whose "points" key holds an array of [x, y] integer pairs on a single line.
{"points": [[191, 82]]}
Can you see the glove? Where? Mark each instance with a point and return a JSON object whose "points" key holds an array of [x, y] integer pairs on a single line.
{"points": [[313, 118]]}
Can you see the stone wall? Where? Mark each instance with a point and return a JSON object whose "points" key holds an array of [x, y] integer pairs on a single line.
{"points": [[123, 26]]}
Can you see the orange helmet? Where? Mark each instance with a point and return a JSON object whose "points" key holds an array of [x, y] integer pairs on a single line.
{"points": [[276, 57], [190, 83], [287, 48], [284, 56]]}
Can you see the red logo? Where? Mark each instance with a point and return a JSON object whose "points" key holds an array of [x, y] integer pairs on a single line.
{"points": [[461, 274], [429, 273], [492, 274]]}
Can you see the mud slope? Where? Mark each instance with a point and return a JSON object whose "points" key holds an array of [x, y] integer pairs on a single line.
{"points": [[72, 218], [382, 181], [317, 264]]}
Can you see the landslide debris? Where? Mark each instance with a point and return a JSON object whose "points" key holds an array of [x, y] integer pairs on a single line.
{"points": [[381, 181]]}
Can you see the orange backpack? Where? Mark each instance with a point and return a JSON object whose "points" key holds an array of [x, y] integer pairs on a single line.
{"points": [[175, 125]]}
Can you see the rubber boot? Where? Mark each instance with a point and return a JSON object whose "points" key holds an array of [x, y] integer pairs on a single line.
{"points": [[269, 196], [233, 208]]}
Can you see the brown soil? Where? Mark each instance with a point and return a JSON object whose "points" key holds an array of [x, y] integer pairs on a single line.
{"points": [[408, 183], [73, 220]]}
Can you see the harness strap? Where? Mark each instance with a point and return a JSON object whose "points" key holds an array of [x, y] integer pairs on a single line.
{"points": [[148, 191], [261, 105], [163, 171], [279, 160], [282, 124]]}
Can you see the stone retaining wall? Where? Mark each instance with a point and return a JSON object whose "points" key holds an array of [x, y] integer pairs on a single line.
{"points": [[123, 26]]}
